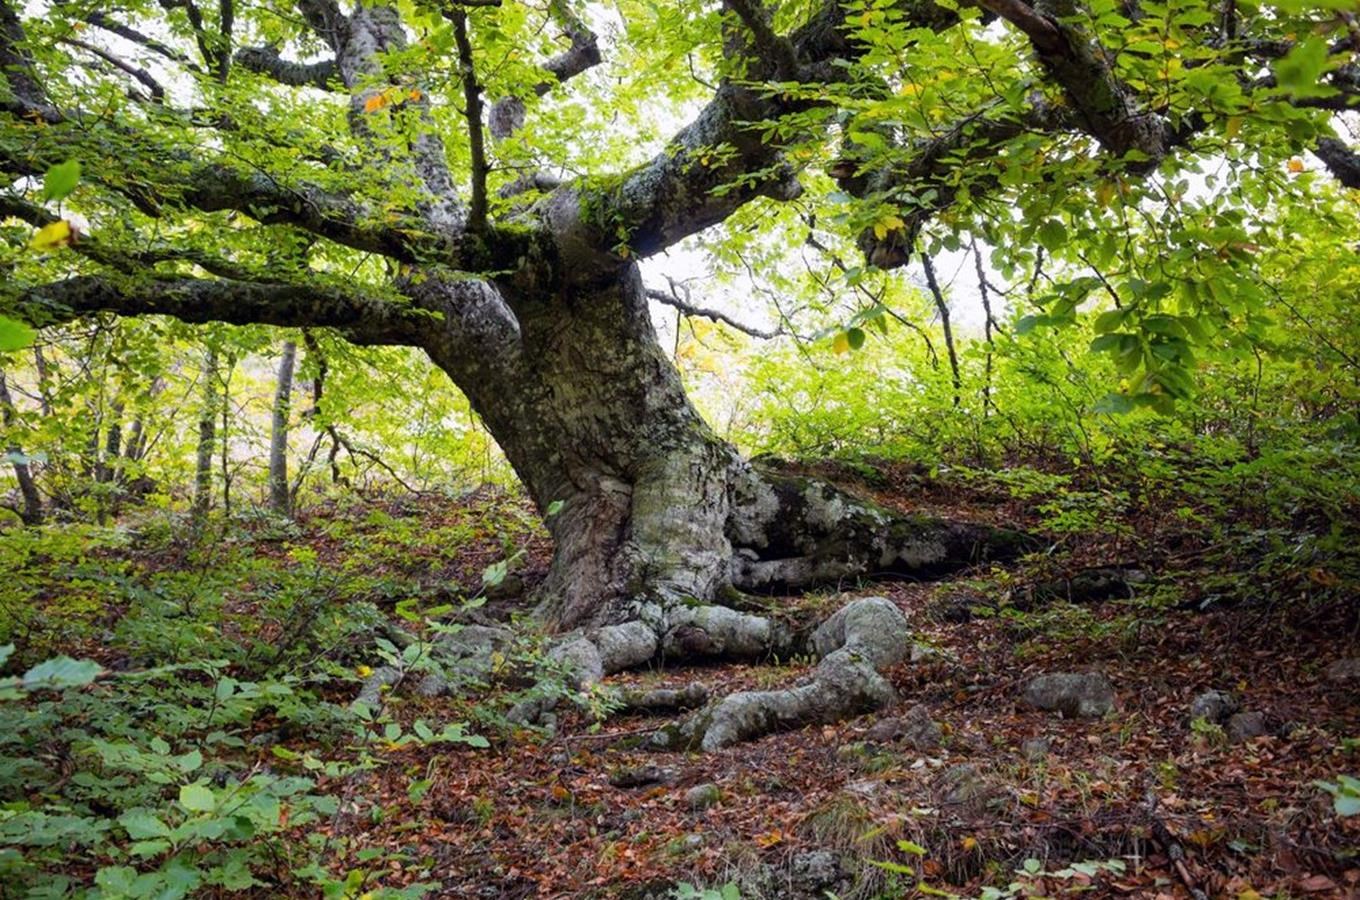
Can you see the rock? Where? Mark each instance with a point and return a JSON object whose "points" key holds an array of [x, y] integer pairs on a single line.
{"points": [[433, 685], [920, 731], [915, 729], [1344, 671], [702, 796], [884, 731], [694, 841], [1213, 706], [1244, 726], [1036, 749], [641, 776], [383, 677], [471, 650], [581, 660], [815, 871], [1087, 695]]}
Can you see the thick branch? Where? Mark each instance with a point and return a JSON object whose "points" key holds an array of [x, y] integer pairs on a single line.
{"points": [[687, 187], [1340, 160], [362, 318], [777, 48], [267, 61]]}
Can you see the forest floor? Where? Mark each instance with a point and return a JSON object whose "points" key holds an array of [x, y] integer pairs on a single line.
{"points": [[1001, 802]]}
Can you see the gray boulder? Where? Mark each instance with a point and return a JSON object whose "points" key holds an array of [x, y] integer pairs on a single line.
{"points": [[1087, 695], [702, 796], [815, 871]]}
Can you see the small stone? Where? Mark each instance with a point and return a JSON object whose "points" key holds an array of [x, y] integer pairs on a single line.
{"points": [[1344, 671], [961, 785], [815, 871], [702, 796], [1036, 749], [1213, 706], [926, 653], [920, 731], [884, 731], [694, 841], [1244, 726], [1087, 695], [640, 776]]}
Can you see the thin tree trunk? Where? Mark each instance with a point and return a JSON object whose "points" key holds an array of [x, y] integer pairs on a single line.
{"points": [[988, 324], [207, 438], [943, 309], [224, 442], [32, 512], [279, 499]]}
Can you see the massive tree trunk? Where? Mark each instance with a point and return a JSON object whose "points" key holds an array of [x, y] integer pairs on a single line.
{"points": [[653, 516]]}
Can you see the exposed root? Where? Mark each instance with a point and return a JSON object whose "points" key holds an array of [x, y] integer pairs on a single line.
{"points": [[664, 700], [855, 645]]}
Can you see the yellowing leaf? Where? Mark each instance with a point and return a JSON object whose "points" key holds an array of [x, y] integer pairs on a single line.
{"points": [[841, 343], [1232, 126], [1296, 165], [52, 236], [887, 224], [1105, 192], [969, 844], [376, 102], [770, 838], [363, 671]]}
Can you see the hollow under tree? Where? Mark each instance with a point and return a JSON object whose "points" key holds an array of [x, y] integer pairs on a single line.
{"points": [[225, 180]]}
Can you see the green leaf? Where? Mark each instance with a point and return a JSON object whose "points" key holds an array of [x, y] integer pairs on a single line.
{"points": [[197, 798], [143, 824], [856, 338], [190, 761], [60, 180], [1109, 321], [15, 335], [1113, 404], [554, 508], [1346, 804], [1298, 71], [1053, 235], [62, 672]]}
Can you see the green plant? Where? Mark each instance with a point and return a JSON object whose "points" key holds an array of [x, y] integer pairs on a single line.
{"points": [[1345, 793]]}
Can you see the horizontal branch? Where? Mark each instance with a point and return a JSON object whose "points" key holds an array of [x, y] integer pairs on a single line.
{"points": [[267, 61], [360, 317]]}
